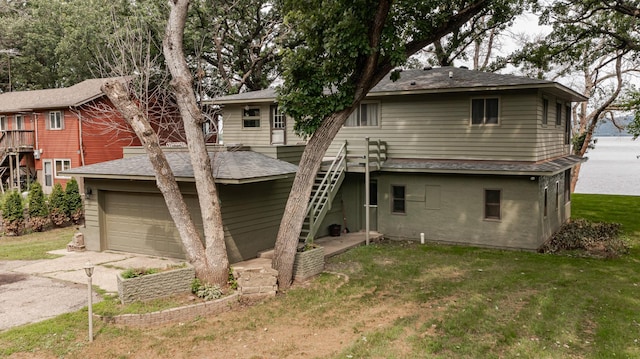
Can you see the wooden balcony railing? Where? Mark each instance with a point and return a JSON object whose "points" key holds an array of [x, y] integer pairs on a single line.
{"points": [[16, 140]]}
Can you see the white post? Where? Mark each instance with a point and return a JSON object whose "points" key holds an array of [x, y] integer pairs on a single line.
{"points": [[88, 269], [367, 189]]}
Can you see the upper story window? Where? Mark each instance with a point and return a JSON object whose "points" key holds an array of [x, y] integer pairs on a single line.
{"points": [[484, 111], [18, 122], [3, 123], [56, 120], [545, 111], [558, 114], [250, 117], [278, 118], [365, 115], [492, 199]]}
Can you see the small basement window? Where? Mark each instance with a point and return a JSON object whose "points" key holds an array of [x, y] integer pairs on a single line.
{"points": [[398, 199], [492, 199]]}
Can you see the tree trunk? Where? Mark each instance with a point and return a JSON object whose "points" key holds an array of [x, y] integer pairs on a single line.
{"points": [[216, 251], [295, 210], [119, 96]]}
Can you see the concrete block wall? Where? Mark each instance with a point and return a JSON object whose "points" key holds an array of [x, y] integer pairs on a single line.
{"points": [[308, 263], [156, 285]]}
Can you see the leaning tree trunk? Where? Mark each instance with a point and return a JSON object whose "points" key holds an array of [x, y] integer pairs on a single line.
{"points": [[216, 251], [137, 119]]}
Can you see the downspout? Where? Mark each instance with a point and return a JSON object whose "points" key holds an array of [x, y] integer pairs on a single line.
{"points": [[80, 143], [367, 189]]}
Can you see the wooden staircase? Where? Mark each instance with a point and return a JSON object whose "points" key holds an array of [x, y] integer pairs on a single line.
{"points": [[327, 184]]}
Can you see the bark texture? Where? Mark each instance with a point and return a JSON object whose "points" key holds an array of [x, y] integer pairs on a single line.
{"points": [[119, 95], [182, 83]]}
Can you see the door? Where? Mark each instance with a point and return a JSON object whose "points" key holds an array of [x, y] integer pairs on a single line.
{"points": [[278, 126], [47, 169]]}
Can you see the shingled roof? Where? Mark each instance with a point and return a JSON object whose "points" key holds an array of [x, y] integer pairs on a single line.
{"points": [[230, 167], [76, 95], [433, 80]]}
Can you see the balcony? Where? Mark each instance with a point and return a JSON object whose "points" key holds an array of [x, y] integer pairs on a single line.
{"points": [[16, 141]]}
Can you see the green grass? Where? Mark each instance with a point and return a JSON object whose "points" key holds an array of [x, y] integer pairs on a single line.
{"points": [[35, 245], [406, 300]]}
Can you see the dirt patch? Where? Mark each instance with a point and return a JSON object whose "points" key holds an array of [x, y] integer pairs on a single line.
{"points": [[8, 278]]}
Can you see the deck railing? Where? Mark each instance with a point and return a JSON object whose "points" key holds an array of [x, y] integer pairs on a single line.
{"points": [[16, 139]]}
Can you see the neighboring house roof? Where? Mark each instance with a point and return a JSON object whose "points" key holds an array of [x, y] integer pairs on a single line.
{"points": [[229, 167], [545, 168], [433, 80], [76, 95]]}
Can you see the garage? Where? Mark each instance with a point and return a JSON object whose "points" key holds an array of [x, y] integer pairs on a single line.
{"points": [[140, 223]]}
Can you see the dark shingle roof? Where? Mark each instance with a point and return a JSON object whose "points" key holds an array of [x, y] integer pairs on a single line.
{"points": [[75, 95], [228, 167], [546, 168], [431, 80]]}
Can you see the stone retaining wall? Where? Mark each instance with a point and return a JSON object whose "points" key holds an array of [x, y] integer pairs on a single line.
{"points": [[173, 315], [156, 285]]}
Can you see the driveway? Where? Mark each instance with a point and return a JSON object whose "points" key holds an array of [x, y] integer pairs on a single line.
{"points": [[32, 291]]}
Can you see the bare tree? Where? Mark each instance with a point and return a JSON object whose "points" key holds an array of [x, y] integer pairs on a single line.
{"points": [[134, 99]]}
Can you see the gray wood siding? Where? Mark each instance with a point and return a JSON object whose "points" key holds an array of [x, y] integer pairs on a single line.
{"points": [[233, 132], [551, 136]]}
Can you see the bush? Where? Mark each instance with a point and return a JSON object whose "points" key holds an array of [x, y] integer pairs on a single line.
{"points": [[594, 239], [38, 210], [138, 272], [13, 213], [73, 201], [58, 206], [205, 291]]}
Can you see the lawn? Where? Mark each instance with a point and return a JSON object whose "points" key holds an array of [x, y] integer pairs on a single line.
{"points": [[35, 245], [404, 300]]}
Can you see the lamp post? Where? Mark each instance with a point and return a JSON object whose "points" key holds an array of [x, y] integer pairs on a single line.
{"points": [[88, 269]]}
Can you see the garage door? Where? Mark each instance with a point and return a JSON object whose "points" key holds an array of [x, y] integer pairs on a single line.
{"points": [[140, 223]]}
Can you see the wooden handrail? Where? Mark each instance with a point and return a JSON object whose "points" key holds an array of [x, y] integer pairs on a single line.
{"points": [[16, 139]]}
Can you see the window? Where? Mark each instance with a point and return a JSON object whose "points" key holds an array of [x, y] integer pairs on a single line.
{"points": [[558, 114], [365, 115], [492, 203], [278, 118], [3, 123], [484, 111], [567, 186], [545, 111], [250, 117], [567, 125], [546, 201], [18, 122], [398, 199], [48, 173], [56, 121], [61, 165], [557, 195]]}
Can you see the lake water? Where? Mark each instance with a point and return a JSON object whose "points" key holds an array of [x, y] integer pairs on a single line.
{"points": [[613, 167]]}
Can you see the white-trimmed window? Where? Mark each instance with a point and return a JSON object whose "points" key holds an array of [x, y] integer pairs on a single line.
{"points": [[61, 165], [251, 117], [3, 123], [55, 121], [545, 111], [558, 114], [278, 118], [485, 111], [492, 199], [18, 122], [366, 115]]}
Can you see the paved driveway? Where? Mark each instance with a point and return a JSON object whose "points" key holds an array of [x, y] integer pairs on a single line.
{"points": [[31, 291]]}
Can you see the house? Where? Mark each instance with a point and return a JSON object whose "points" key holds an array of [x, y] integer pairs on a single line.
{"points": [[454, 155], [45, 132], [124, 210]]}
